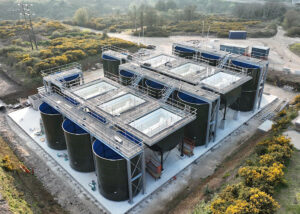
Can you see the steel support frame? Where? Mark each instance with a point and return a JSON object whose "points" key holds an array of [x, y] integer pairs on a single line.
{"points": [[208, 125], [130, 174], [216, 118], [258, 96], [266, 69]]}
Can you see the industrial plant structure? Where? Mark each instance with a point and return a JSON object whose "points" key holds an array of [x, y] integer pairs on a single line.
{"points": [[252, 92], [147, 103], [106, 124]]}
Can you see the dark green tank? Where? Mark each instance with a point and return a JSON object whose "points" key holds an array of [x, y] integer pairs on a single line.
{"points": [[126, 77], [170, 142], [52, 121], [247, 99], [79, 147], [196, 130], [111, 170], [154, 89]]}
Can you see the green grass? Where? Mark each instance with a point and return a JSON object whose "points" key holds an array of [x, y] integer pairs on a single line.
{"points": [[295, 48], [14, 198], [23, 192], [288, 196]]}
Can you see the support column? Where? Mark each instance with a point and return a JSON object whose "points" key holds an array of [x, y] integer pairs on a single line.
{"points": [[182, 145], [129, 181], [162, 160], [143, 173], [236, 115], [208, 125], [216, 118]]}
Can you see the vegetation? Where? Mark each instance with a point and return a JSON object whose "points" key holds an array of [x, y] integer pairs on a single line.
{"points": [[58, 44], [288, 195], [22, 192], [260, 176], [291, 23], [81, 16], [295, 48]]}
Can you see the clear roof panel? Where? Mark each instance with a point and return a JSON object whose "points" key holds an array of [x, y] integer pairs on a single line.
{"points": [[159, 60], [220, 80], [121, 104], [188, 69], [155, 122], [94, 90]]}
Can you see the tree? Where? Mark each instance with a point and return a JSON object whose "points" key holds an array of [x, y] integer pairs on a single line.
{"points": [[132, 13], [161, 5], [189, 12], [141, 16], [292, 19], [81, 16], [150, 17], [171, 5]]}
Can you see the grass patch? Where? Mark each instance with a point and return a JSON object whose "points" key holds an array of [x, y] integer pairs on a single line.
{"points": [[295, 48], [288, 196], [23, 192], [14, 197]]}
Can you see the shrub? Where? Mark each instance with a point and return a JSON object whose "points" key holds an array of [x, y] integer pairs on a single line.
{"points": [[278, 149], [75, 55], [237, 199], [293, 32], [6, 163], [261, 177], [45, 53]]}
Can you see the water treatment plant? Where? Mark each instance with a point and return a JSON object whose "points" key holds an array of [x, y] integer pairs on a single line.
{"points": [[124, 133]]}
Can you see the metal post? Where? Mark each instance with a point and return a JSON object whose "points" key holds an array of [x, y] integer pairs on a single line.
{"points": [[216, 118], [143, 173], [263, 86], [208, 125], [129, 181], [162, 160], [257, 90], [182, 145]]}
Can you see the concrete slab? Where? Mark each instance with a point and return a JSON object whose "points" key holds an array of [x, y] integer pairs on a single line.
{"points": [[266, 126], [295, 138]]}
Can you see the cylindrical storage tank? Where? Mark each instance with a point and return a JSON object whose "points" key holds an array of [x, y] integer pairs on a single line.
{"points": [[245, 102], [111, 170], [105, 65], [52, 121], [113, 67], [184, 52], [247, 99], [196, 130], [79, 147], [110, 65], [126, 77], [211, 59], [170, 142], [154, 89], [72, 81], [230, 97]]}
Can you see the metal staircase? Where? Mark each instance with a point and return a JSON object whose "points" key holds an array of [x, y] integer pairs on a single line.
{"points": [[224, 61], [167, 93], [137, 80]]}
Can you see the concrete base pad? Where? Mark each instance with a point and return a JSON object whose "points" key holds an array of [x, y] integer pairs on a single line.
{"points": [[28, 119]]}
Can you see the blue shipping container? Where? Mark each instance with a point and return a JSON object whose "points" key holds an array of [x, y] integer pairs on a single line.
{"points": [[237, 34], [260, 52]]}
